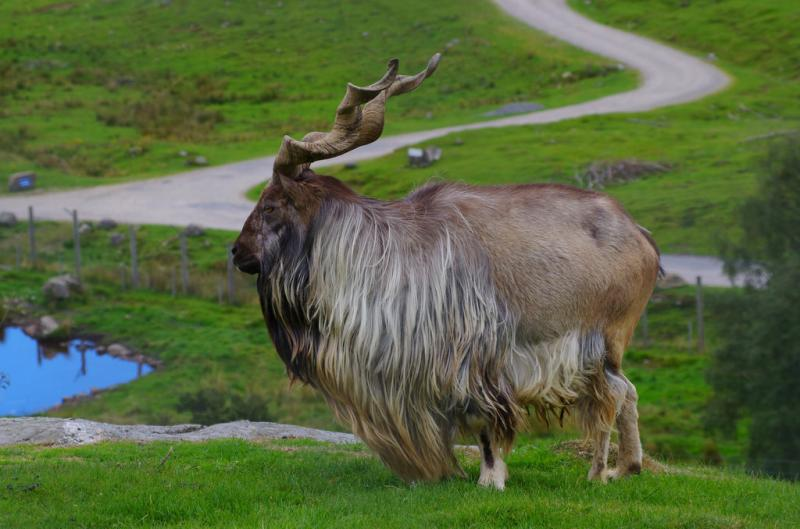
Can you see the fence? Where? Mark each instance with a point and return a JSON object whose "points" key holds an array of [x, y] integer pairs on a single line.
{"points": [[177, 274], [227, 286]]}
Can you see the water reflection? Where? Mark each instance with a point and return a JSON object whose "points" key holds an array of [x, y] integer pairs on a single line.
{"points": [[39, 375]]}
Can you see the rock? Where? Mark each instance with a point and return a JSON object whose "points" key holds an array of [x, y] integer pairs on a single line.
{"points": [[423, 157], [670, 281], [515, 108], [601, 173], [712, 57], [84, 228], [350, 165], [47, 326], [61, 287], [41, 328], [183, 154], [72, 432], [22, 181], [135, 151], [7, 219], [193, 230], [107, 224], [119, 351], [197, 161], [116, 239]]}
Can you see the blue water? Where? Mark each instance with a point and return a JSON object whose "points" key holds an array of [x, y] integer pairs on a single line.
{"points": [[38, 377]]}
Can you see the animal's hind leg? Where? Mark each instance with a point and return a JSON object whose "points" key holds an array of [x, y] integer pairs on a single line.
{"points": [[601, 400], [629, 460], [600, 441], [494, 472]]}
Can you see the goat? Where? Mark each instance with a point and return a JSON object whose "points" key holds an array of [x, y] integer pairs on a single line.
{"points": [[452, 310]]}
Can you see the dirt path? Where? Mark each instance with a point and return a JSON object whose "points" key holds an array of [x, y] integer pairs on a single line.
{"points": [[214, 197]]}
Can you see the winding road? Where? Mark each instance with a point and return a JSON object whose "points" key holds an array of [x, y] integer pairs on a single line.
{"points": [[214, 197]]}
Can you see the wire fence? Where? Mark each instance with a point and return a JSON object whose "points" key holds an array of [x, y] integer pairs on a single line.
{"points": [[169, 266]]}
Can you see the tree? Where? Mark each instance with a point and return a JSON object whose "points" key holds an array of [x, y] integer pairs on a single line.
{"points": [[756, 373]]}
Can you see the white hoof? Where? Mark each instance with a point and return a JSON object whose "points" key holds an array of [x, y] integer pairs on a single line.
{"points": [[494, 477]]}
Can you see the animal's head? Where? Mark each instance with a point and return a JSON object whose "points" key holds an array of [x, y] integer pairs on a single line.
{"points": [[289, 204]]}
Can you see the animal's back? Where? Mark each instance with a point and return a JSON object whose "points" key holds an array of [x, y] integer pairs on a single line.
{"points": [[561, 257]]}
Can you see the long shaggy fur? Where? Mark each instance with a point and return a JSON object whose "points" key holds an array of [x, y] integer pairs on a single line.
{"points": [[391, 312]]}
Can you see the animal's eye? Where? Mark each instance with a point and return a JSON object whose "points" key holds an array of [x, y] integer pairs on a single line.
{"points": [[269, 209]]}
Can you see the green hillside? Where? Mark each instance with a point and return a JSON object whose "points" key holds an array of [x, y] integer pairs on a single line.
{"points": [[94, 92], [304, 484], [710, 147]]}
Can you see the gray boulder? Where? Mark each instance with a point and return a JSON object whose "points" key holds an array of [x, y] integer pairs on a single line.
{"points": [[670, 281], [107, 224], [198, 161], [193, 230], [61, 287], [7, 219], [41, 328], [116, 239]]}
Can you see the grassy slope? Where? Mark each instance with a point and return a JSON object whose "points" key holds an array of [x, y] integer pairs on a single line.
{"points": [[304, 484], [205, 344], [710, 143], [96, 92]]}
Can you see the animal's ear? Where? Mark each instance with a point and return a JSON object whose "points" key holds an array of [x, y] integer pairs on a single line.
{"points": [[296, 192]]}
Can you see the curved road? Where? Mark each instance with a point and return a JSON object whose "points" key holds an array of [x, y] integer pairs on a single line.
{"points": [[214, 197]]}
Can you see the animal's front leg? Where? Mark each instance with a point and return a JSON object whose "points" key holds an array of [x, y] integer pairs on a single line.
{"points": [[494, 472]]}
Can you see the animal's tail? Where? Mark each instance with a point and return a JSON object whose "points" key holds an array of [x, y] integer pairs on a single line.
{"points": [[649, 236]]}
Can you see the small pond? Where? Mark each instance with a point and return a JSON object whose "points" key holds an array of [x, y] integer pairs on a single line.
{"points": [[35, 376]]}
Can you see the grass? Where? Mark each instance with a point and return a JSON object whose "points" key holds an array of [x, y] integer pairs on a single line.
{"points": [[225, 347], [712, 145], [306, 484], [98, 92]]}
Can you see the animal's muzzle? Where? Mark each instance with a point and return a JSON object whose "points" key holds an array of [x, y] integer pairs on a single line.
{"points": [[244, 260]]}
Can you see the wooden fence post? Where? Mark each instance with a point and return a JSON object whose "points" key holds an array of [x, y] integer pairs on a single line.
{"points": [[173, 282], [184, 265], [134, 258], [701, 339], [76, 243], [231, 285], [31, 237]]}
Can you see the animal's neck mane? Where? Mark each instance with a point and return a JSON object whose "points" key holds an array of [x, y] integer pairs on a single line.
{"points": [[390, 311]]}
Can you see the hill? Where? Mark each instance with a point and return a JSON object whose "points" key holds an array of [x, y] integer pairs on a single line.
{"points": [[308, 484], [96, 92], [707, 148]]}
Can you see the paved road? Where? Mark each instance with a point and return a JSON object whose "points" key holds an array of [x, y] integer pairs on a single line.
{"points": [[214, 197]]}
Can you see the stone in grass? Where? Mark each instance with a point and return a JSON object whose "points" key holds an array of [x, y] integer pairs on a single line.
{"points": [[61, 287], [197, 161], [118, 350], [42, 328], [22, 181], [107, 224], [85, 228], [193, 230], [7, 219], [116, 239], [670, 281]]}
